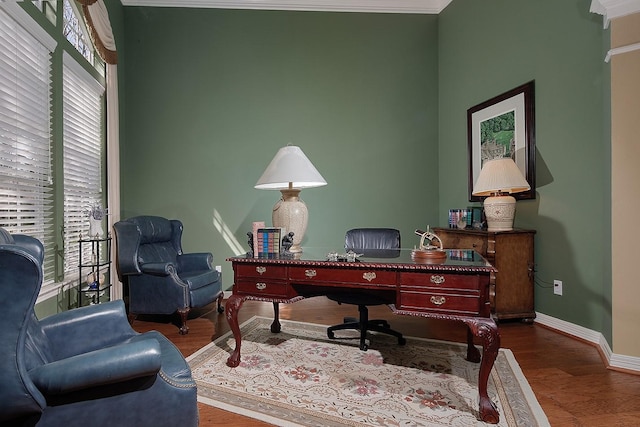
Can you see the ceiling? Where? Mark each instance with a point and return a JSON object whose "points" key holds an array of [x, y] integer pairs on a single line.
{"points": [[375, 6], [610, 9]]}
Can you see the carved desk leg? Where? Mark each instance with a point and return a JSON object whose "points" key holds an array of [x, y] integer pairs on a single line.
{"points": [[487, 331], [473, 355], [275, 326], [231, 311]]}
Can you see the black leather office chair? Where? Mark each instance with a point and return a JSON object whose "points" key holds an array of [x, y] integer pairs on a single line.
{"points": [[382, 242]]}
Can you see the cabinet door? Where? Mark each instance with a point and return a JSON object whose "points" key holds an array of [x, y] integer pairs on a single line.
{"points": [[514, 282]]}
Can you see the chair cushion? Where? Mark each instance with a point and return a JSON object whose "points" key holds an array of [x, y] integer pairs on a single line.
{"points": [[157, 252]]}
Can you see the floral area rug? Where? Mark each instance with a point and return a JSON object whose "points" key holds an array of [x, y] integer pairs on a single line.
{"points": [[299, 377]]}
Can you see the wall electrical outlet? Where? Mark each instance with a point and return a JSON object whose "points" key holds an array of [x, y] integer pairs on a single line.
{"points": [[557, 287], [219, 268]]}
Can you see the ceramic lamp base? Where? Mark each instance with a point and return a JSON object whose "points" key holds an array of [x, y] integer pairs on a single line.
{"points": [[291, 214], [500, 211]]}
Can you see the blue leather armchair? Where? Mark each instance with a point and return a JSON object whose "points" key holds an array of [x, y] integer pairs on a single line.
{"points": [[377, 243], [160, 277], [83, 367]]}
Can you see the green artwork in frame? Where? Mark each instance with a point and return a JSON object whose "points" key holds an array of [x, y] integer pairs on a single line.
{"points": [[497, 137], [503, 126]]}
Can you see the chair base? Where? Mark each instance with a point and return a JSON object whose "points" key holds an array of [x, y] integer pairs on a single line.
{"points": [[183, 314], [363, 325]]}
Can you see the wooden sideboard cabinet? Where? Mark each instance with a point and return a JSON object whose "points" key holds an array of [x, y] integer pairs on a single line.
{"points": [[512, 254]]}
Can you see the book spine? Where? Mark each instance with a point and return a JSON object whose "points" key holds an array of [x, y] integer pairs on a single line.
{"points": [[256, 247], [269, 242]]}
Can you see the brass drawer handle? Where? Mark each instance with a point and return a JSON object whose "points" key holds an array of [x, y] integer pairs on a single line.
{"points": [[261, 270], [438, 300], [369, 276], [310, 273], [261, 286], [437, 279]]}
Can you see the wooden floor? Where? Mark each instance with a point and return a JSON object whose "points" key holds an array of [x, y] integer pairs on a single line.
{"points": [[567, 376]]}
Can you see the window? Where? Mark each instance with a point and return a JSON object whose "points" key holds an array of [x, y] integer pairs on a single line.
{"points": [[52, 146], [76, 32], [82, 135], [26, 185]]}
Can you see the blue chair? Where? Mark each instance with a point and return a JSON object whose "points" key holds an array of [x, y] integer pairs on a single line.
{"points": [[161, 278], [377, 243], [83, 367]]}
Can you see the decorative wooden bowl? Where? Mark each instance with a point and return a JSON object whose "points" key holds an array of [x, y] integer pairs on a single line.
{"points": [[428, 256]]}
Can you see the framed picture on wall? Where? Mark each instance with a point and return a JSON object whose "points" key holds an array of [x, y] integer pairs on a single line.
{"points": [[504, 126]]}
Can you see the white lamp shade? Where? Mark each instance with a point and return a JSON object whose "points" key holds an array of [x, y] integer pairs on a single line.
{"points": [[500, 175], [290, 165]]}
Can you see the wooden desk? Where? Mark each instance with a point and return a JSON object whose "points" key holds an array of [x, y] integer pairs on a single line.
{"points": [[457, 289]]}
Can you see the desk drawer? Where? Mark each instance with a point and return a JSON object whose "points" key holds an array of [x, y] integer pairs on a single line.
{"points": [[261, 271], [457, 240], [323, 275], [257, 288], [435, 302], [440, 281]]}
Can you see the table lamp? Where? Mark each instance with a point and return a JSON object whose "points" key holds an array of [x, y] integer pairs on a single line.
{"points": [[498, 178], [290, 171]]}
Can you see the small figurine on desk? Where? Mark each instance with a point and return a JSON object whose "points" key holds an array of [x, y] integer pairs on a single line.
{"points": [[287, 242], [250, 242]]}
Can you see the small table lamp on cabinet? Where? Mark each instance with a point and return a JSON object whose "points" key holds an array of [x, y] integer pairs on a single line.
{"points": [[290, 171], [497, 179]]}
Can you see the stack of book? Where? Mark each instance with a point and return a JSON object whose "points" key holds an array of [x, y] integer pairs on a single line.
{"points": [[460, 218], [267, 243]]}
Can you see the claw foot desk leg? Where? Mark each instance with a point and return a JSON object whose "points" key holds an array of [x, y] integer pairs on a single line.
{"points": [[231, 310], [487, 331]]}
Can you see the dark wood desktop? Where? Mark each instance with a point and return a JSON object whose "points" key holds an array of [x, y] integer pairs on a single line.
{"points": [[456, 289]]}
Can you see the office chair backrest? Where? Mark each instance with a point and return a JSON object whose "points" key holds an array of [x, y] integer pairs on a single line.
{"points": [[372, 238]]}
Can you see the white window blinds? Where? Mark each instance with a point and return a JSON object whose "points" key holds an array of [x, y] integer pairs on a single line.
{"points": [[26, 196], [82, 134]]}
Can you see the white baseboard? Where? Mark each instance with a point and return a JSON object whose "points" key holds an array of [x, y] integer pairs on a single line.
{"points": [[617, 361]]}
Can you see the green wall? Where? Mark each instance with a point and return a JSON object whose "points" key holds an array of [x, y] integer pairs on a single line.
{"points": [[378, 102], [211, 95], [489, 47]]}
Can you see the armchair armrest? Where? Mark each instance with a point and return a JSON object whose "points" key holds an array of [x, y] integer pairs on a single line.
{"points": [[105, 323], [195, 261], [107, 366], [158, 268]]}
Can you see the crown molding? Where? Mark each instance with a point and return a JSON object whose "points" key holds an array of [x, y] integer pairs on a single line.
{"points": [[372, 6], [611, 9]]}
